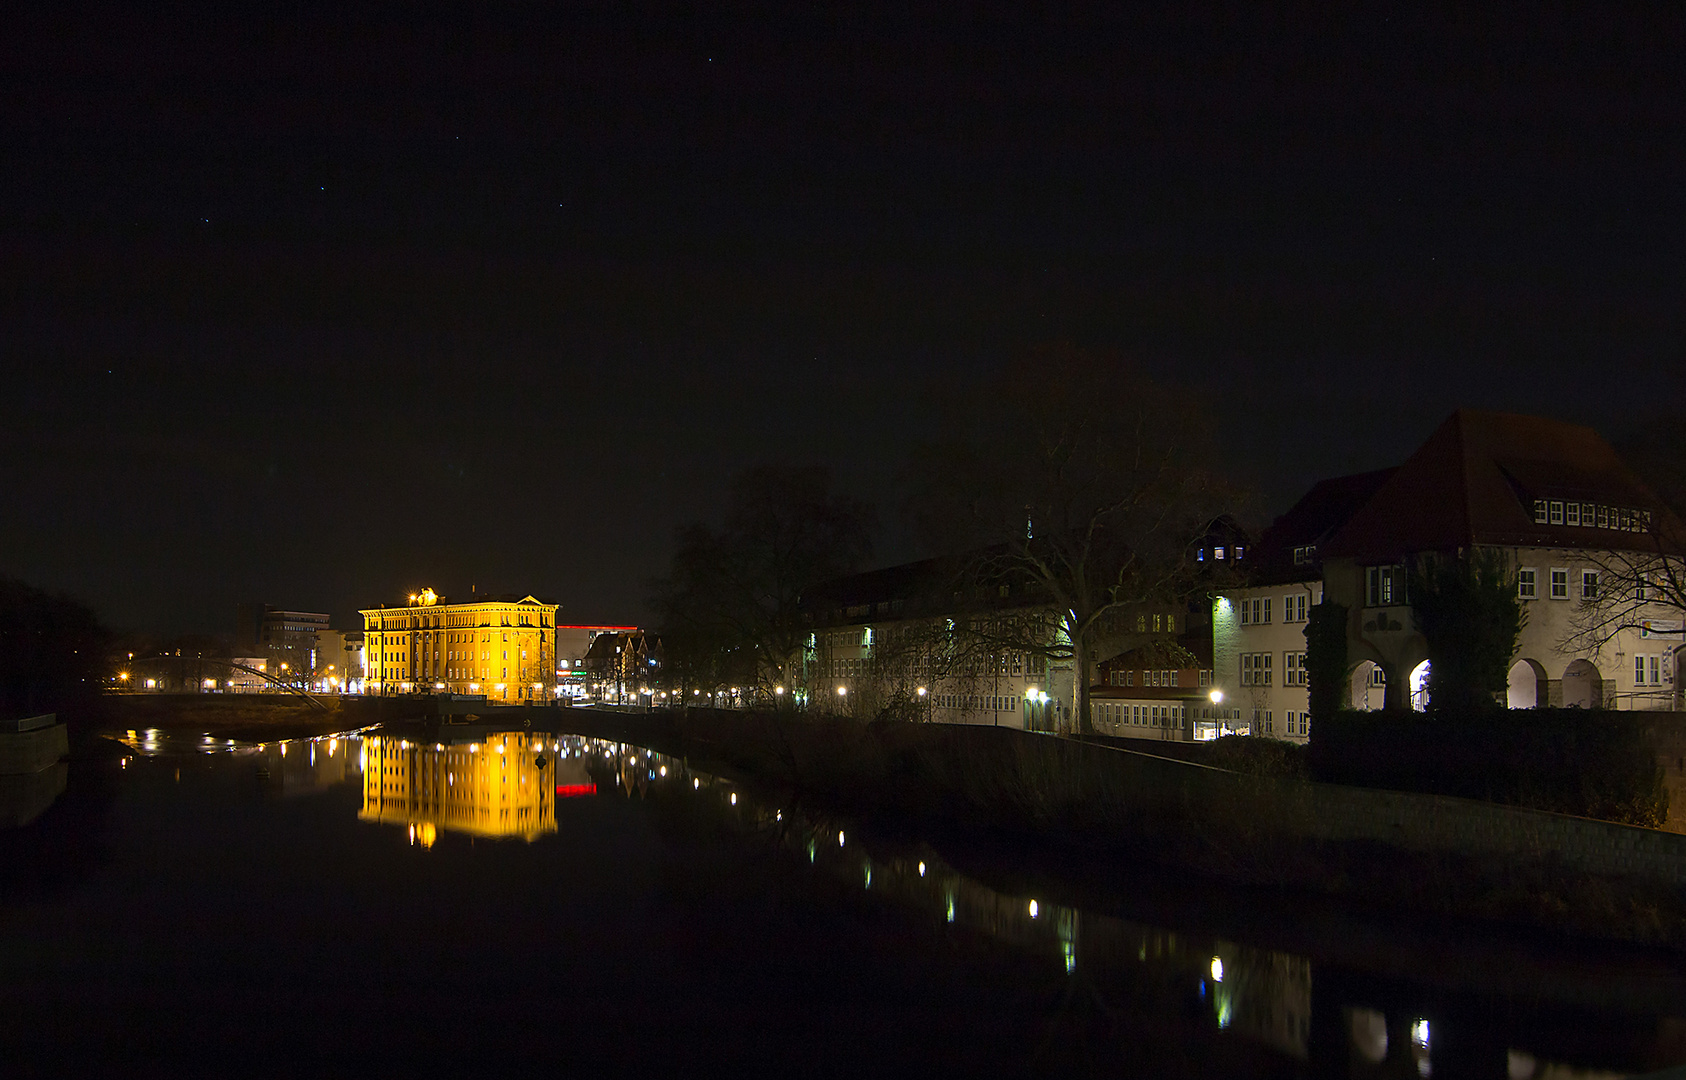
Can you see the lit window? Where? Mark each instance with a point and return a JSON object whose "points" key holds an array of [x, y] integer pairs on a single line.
{"points": [[1218, 553]]}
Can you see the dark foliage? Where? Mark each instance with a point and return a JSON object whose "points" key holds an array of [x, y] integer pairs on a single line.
{"points": [[1467, 609], [1256, 756], [729, 607], [52, 651], [1328, 667], [1571, 761]]}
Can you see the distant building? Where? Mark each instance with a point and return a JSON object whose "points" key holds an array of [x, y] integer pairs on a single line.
{"points": [[339, 662], [285, 639], [626, 666], [503, 647], [574, 644]]}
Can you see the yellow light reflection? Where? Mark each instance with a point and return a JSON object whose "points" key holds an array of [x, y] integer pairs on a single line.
{"points": [[416, 786]]}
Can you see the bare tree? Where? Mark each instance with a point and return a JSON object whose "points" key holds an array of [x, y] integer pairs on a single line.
{"points": [[1086, 499], [1639, 587]]}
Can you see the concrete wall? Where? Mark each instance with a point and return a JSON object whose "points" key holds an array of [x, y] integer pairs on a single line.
{"points": [[31, 751]]}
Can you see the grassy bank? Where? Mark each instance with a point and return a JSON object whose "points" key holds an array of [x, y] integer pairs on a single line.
{"points": [[1083, 806]]}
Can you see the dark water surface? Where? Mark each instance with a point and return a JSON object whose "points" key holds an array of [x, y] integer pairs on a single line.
{"points": [[535, 904]]}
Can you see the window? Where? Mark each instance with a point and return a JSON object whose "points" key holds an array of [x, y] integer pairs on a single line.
{"points": [[1556, 512], [1603, 517], [1559, 583], [1255, 669], [1294, 670], [1648, 670], [1539, 511], [1384, 586], [1293, 607], [1572, 514], [1527, 585], [1589, 584], [1303, 556]]}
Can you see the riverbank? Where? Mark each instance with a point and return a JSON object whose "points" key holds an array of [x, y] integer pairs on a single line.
{"points": [[1084, 810], [246, 717]]}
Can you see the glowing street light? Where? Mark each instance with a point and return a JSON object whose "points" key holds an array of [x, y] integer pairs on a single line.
{"points": [[842, 691]]}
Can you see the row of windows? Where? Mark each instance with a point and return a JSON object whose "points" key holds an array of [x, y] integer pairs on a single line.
{"points": [[977, 702], [1649, 669], [1255, 669], [1295, 723], [1163, 677], [1528, 583], [1119, 714], [1590, 515], [1255, 611]]}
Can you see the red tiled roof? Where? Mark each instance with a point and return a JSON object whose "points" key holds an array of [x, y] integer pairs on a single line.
{"points": [[1475, 481]]}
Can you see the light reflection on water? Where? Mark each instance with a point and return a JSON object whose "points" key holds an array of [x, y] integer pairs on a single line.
{"points": [[506, 786]]}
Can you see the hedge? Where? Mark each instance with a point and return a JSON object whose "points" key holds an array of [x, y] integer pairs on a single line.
{"points": [[1591, 763]]}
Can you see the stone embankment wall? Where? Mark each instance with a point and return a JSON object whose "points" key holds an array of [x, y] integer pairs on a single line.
{"points": [[977, 770]]}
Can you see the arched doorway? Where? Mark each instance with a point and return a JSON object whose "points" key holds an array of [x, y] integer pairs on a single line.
{"points": [[1526, 679], [1582, 686], [1369, 686], [1419, 687]]}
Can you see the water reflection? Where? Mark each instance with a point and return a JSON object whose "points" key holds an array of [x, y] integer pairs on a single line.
{"points": [[501, 784], [1343, 1018], [1267, 997]]}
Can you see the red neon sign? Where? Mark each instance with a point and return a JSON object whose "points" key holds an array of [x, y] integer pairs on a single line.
{"points": [[574, 791]]}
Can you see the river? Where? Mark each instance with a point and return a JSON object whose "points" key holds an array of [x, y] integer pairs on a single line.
{"points": [[518, 902]]}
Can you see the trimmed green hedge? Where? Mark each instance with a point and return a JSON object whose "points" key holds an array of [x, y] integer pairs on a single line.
{"points": [[1572, 761]]}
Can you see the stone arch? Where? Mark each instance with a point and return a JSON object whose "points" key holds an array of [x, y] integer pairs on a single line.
{"points": [[1418, 687], [1368, 686], [1527, 687], [1583, 686]]}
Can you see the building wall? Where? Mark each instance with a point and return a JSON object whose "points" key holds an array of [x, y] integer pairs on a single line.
{"points": [[1258, 646], [504, 650], [857, 669], [1545, 671]]}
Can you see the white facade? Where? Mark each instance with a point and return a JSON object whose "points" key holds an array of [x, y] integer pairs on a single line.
{"points": [[1258, 646]]}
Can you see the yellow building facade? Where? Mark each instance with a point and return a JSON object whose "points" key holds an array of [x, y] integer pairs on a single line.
{"points": [[502, 647], [492, 788]]}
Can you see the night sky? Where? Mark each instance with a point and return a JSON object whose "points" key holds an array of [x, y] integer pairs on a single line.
{"points": [[319, 308]]}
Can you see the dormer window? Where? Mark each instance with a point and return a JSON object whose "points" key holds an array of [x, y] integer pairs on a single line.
{"points": [[1218, 553], [1556, 512]]}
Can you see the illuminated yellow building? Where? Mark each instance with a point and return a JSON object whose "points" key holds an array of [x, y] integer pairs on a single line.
{"points": [[503, 647], [493, 788]]}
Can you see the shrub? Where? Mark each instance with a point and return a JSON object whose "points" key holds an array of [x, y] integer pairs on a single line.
{"points": [[1571, 761]]}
